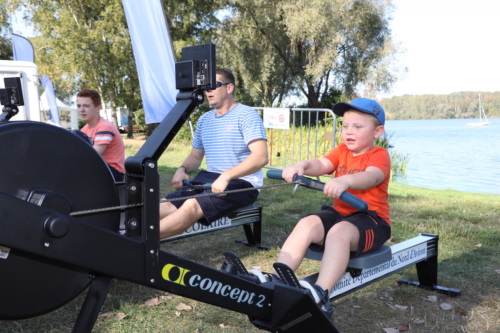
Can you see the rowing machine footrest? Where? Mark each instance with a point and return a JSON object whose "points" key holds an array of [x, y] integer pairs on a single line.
{"points": [[366, 260]]}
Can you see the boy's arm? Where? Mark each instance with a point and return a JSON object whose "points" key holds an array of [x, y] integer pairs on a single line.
{"points": [[369, 178], [314, 167]]}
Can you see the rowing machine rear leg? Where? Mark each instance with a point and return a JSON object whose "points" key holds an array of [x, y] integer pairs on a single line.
{"points": [[253, 236], [94, 300], [427, 271], [427, 278]]}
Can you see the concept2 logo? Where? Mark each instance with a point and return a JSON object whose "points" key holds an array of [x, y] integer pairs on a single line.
{"points": [[179, 275], [174, 274]]}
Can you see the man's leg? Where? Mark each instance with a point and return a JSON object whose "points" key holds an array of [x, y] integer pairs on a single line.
{"points": [[309, 230], [341, 239], [174, 221], [166, 208]]}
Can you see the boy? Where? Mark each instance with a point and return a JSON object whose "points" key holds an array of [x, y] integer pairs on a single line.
{"points": [[104, 135], [341, 231]]}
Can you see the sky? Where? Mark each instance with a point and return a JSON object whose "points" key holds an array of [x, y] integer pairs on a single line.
{"points": [[449, 45]]}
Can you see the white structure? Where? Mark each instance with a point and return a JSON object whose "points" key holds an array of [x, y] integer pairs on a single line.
{"points": [[28, 72], [67, 114], [35, 108]]}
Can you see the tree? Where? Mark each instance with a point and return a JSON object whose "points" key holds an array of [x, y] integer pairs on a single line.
{"points": [[314, 44], [191, 22], [85, 43], [6, 52], [257, 64]]}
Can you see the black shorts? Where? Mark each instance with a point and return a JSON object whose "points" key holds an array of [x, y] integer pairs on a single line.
{"points": [[373, 230], [118, 176], [215, 207]]}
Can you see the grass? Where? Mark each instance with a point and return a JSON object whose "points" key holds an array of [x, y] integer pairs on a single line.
{"points": [[468, 225]]}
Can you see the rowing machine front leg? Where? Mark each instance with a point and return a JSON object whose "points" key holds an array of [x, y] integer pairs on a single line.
{"points": [[92, 305]]}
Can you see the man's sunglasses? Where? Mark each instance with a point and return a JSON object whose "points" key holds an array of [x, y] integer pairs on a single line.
{"points": [[218, 84]]}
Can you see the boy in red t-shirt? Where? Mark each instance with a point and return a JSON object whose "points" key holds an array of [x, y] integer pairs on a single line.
{"points": [[104, 135], [342, 232]]}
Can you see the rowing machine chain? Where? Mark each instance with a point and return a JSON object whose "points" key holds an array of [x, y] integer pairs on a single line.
{"points": [[107, 209]]}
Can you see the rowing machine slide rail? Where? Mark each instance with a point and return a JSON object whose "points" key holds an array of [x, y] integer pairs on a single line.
{"points": [[72, 253], [421, 251]]}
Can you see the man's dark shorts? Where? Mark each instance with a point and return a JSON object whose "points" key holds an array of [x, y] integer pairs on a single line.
{"points": [[215, 207], [373, 230]]}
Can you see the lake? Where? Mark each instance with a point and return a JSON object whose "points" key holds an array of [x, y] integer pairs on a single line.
{"points": [[447, 154]]}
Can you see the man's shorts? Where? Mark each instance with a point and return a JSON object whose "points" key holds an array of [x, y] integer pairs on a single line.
{"points": [[373, 230], [215, 207]]}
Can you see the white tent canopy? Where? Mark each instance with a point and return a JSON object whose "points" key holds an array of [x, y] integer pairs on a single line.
{"points": [[67, 114]]}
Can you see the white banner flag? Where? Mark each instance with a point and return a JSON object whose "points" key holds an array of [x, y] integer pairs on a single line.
{"points": [[51, 98], [23, 50], [154, 56]]}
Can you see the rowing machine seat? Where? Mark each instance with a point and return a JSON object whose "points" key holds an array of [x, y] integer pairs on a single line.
{"points": [[366, 260]]}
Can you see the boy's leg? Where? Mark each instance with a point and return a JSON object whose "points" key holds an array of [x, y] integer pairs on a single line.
{"points": [[341, 240], [309, 230], [354, 235]]}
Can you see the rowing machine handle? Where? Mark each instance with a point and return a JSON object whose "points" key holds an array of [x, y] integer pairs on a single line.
{"points": [[196, 185], [317, 185]]}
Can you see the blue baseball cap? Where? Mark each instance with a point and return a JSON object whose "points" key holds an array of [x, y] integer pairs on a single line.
{"points": [[364, 105]]}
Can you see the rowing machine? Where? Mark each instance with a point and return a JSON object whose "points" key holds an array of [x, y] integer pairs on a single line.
{"points": [[373, 266], [60, 217]]}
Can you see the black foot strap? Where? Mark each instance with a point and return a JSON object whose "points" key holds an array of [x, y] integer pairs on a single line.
{"points": [[236, 262], [287, 275]]}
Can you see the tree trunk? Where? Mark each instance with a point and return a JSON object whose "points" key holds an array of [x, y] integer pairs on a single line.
{"points": [[130, 129], [149, 129], [312, 97]]}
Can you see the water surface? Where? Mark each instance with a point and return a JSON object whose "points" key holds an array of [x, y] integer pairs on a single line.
{"points": [[447, 154]]}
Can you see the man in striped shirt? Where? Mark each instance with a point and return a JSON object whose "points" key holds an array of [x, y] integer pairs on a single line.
{"points": [[232, 138], [104, 135]]}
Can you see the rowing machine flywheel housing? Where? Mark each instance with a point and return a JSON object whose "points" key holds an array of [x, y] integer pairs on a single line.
{"points": [[49, 166]]}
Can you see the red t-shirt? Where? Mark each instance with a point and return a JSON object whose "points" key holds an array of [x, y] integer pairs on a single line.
{"points": [[106, 133], [345, 163]]}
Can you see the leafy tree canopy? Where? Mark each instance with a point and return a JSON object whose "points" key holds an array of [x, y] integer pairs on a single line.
{"points": [[307, 47], [315, 49]]}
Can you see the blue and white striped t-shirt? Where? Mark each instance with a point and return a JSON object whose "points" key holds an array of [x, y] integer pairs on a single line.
{"points": [[225, 139]]}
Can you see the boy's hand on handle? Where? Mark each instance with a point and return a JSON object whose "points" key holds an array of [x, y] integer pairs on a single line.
{"points": [[317, 185], [179, 176], [292, 170], [335, 187]]}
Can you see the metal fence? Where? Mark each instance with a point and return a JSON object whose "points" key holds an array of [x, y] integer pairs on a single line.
{"points": [[311, 134]]}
